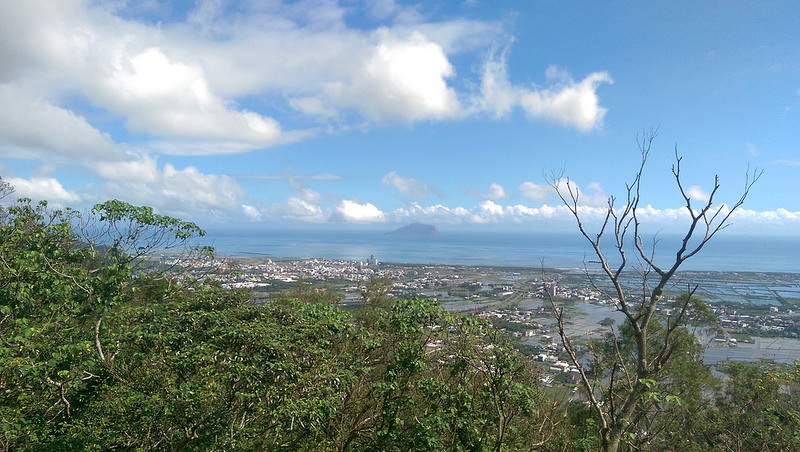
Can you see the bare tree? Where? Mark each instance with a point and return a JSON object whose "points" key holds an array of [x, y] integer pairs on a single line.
{"points": [[5, 188], [615, 408]]}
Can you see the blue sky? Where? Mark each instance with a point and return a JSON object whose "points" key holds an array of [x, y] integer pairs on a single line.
{"points": [[376, 114]]}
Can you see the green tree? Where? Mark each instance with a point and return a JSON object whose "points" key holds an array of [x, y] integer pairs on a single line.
{"points": [[208, 369], [512, 412], [439, 381], [55, 290], [757, 409], [47, 355]]}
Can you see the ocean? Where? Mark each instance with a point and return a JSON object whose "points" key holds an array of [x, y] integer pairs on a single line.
{"points": [[723, 253]]}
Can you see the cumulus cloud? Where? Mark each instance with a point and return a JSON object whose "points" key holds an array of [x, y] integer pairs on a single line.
{"points": [[313, 106], [355, 212], [567, 102], [437, 213], [696, 193], [534, 191], [167, 98], [297, 209], [84, 51], [138, 168], [304, 205], [485, 212], [31, 122], [42, 188], [251, 212], [779, 217], [592, 196], [410, 186], [667, 220], [184, 192], [184, 79], [496, 191], [404, 78], [562, 100]]}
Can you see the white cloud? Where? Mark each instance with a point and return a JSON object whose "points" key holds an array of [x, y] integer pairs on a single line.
{"points": [[136, 169], [167, 98], [534, 191], [30, 122], [498, 96], [58, 136], [496, 192], [42, 188], [355, 212], [304, 205], [297, 209], [82, 50], [595, 196], [779, 217], [545, 217], [562, 101], [325, 69], [301, 208], [309, 195], [490, 208], [186, 192], [567, 102], [313, 106], [404, 79], [184, 79], [696, 193], [251, 212], [592, 196], [651, 215], [409, 186]]}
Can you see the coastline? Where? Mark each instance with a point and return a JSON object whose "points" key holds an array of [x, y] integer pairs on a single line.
{"points": [[523, 250]]}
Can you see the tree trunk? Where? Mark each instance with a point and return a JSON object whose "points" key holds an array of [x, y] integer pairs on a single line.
{"points": [[611, 444]]}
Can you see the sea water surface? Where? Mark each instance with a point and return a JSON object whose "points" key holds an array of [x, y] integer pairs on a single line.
{"points": [[551, 250]]}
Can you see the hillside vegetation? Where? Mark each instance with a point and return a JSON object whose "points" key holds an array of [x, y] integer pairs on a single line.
{"points": [[103, 349]]}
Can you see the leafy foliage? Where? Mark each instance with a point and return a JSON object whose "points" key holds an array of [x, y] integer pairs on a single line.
{"points": [[98, 354]]}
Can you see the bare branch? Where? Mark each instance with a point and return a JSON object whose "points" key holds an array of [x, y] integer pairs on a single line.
{"points": [[587, 385], [62, 397]]}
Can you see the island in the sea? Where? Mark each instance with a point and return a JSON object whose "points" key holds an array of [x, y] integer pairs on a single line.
{"points": [[415, 229]]}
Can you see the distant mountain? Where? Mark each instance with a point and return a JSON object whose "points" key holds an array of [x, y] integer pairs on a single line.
{"points": [[416, 229]]}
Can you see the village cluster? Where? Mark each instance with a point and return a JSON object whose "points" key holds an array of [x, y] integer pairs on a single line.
{"points": [[483, 289]]}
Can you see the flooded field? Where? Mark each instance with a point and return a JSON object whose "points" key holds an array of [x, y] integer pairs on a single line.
{"points": [[778, 349], [585, 323]]}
